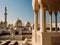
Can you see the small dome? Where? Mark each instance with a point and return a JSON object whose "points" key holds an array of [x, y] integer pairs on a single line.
{"points": [[27, 24], [17, 23]]}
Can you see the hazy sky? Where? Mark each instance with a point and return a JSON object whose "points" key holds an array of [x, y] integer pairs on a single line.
{"points": [[21, 9]]}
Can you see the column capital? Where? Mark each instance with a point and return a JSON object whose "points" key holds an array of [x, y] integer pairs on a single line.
{"points": [[55, 13], [35, 5], [50, 12], [36, 11], [41, 6]]}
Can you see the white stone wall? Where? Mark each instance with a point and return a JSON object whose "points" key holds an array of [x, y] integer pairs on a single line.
{"points": [[46, 37]]}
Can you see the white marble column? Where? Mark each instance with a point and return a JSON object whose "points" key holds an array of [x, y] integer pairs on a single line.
{"points": [[35, 20], [42, 19], [35, 24], [55, 21], [50, 21]]}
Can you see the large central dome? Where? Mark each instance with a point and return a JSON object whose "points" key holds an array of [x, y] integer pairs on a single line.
{"points": [[17, 23]]}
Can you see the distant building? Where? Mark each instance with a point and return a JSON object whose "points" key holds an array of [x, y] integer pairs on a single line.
{"points": [[16, 30]]}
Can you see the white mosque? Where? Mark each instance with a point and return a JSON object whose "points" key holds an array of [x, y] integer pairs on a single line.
{"points": [[16, 30]]}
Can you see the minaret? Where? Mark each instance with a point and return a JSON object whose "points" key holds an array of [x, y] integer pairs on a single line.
{"points": [[5, 13]]}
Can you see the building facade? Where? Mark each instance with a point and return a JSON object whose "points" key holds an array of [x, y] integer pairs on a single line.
{"points": [[43, 37]]}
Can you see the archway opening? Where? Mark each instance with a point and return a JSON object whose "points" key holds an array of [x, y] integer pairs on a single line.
{"points": [[16, 33]]}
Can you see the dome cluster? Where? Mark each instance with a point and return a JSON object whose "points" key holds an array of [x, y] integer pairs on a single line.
{"points": [[18, 23]]}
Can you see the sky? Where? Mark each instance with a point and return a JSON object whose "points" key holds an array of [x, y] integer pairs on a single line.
{"points": [[21, 9]]}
